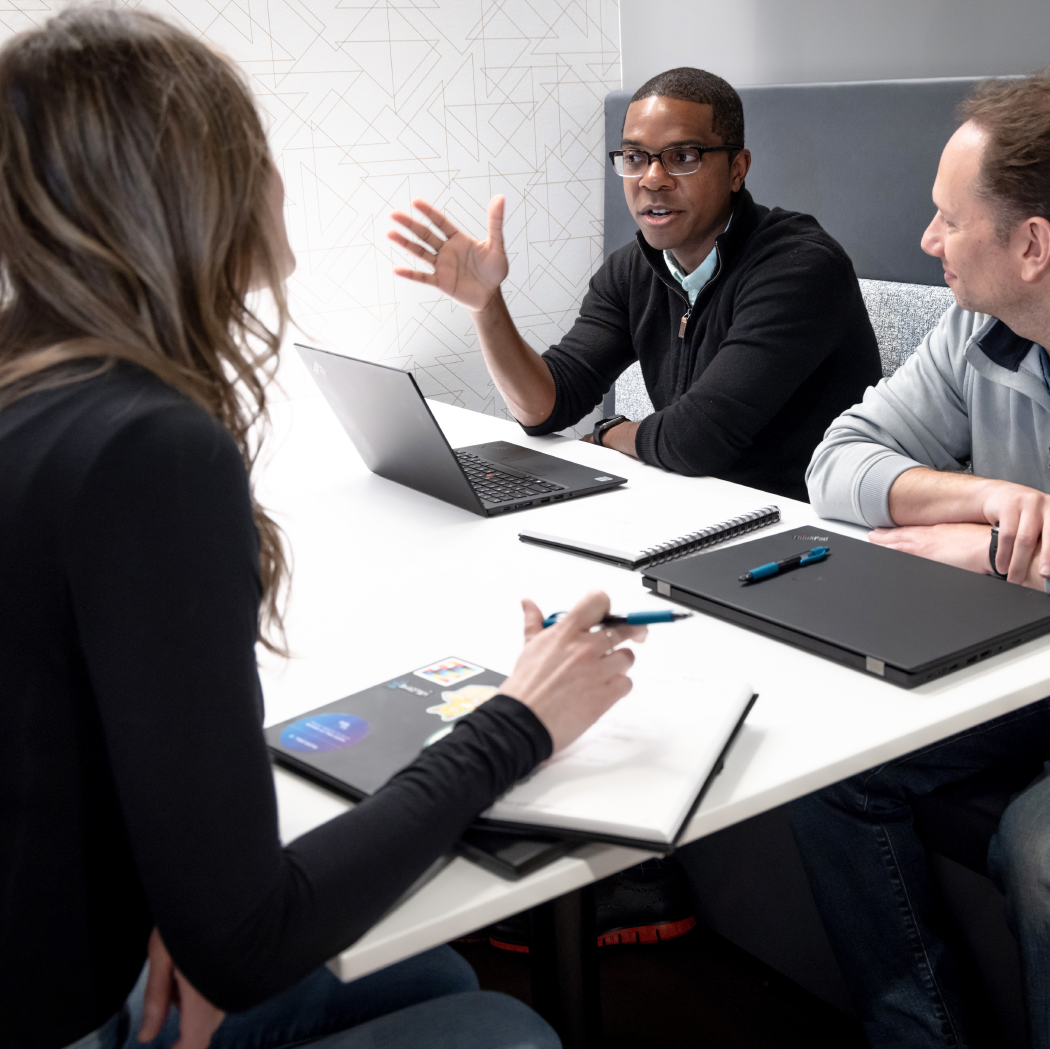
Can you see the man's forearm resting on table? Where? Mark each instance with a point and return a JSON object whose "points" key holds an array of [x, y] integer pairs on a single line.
{"points": [[922, 496], [519, 372]]}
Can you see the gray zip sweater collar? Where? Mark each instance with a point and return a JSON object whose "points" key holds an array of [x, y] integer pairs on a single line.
{"points": [[965, 396]]}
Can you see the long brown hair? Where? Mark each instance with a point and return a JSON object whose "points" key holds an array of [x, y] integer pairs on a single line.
{"points": [[134, 220]]}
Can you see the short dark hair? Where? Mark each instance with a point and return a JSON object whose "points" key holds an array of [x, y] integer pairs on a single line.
{"points": [[1015, 168], [697, 85]]}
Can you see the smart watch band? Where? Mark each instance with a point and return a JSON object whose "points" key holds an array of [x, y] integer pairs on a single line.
{"points": [[602, 425], [993, 548]]}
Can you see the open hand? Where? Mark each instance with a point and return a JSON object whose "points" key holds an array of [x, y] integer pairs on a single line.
{"points": [[468, 271], [570, 674], [165, 987]]}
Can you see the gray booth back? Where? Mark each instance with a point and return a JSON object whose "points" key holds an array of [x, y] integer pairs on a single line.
{"points": [[861, 157]]}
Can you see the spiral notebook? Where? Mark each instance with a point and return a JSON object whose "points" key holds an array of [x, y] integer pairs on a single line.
{"points": [[625, 543]]}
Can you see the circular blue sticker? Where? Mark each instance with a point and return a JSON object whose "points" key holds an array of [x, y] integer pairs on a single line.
{"points": [[324, 732]]}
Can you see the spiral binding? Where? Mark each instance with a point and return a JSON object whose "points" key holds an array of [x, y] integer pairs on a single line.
{"points": [[717, 533]]}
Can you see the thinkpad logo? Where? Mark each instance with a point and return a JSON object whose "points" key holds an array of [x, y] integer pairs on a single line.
{"points": [[817, 538]]}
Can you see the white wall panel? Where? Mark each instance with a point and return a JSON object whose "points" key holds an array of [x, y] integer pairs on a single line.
{"points": [[370, 105]]}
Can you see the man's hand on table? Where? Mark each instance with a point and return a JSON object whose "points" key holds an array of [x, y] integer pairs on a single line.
{"points": [[921, 496], [570, 674], [1023, 516], [620, 438], [962, 545]]}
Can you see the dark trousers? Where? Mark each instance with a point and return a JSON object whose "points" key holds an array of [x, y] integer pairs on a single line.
{"points": [[878, 900], [429, 1001]]}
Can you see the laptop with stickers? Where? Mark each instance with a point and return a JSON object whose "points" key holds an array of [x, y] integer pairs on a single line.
{"points": [[353, 746], [388, 419]]}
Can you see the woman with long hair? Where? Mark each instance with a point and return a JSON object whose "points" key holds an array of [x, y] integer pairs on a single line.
{"points": [[139, 207]]}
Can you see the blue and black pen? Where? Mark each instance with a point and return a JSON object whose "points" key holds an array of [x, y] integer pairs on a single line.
{"points": [[807, 557], [631, 619]]}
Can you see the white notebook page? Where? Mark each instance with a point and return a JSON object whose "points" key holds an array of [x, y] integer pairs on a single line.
{"points": [[637, 771]]}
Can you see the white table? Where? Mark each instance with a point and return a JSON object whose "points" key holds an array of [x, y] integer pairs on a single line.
{"points": [[386, 578]]}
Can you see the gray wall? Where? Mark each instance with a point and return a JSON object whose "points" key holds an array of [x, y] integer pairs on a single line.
{"points": [[805, 41]]}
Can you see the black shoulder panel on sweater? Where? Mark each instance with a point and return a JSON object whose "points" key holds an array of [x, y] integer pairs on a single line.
{"points": [[1004, 347]]}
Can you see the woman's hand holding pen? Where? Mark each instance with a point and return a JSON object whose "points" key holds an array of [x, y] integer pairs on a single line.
{"points": [[570, 674]]}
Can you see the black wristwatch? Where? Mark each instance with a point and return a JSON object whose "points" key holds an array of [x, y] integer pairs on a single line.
{"points": [[608, 423], [993, 548]]}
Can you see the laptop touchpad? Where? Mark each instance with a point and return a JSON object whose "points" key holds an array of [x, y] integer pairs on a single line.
{"points": [[502, 452]]}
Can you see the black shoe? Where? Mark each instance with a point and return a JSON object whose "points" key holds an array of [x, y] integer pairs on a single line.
{"points": [[643, 904], [511, 934]]}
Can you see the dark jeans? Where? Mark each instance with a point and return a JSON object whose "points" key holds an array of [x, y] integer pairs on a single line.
{"points": [[431, 1000], [877, 897]]}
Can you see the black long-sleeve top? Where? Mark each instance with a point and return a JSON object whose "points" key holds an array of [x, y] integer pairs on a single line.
{"points": [[135, 788], [777, 344]]}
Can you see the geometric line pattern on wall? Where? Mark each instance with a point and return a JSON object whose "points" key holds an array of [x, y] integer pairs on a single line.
{"points": [[371, 104]]}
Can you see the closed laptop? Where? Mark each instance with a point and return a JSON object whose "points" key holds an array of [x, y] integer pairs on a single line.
{"points": [[901, 617]]}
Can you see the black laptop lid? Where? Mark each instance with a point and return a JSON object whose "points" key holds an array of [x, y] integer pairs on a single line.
{"points": [[906, 611], [357, 743], [383, 411]]}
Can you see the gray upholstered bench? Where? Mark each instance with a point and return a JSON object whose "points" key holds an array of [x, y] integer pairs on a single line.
{"points": [[902, 315]]}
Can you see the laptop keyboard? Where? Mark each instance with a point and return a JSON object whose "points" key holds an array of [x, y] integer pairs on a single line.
{"points": [[495, 486]]}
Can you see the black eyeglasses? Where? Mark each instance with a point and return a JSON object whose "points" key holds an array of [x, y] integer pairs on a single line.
{"points": [[675, 160]]}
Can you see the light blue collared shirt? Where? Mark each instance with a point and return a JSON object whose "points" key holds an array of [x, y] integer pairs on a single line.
{"points": [[693, 283]]}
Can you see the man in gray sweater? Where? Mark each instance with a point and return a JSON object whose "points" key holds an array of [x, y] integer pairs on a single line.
{"points": [[975, 394]]}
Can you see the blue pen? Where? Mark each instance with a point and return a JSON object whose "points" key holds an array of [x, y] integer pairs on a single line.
{"points": [[631, 619], [807, 557]]}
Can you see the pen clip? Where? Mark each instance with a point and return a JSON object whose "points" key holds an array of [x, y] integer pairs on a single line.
{"points": [[818, 553]]}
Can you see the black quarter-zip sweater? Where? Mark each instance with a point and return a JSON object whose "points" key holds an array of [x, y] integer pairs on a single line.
{"points": [[777, 344]]}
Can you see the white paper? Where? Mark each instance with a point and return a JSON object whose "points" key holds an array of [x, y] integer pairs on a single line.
{"points": [[637, 771]]}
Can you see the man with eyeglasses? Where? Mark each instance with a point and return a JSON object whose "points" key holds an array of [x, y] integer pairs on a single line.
{"points": [[748, 322]]}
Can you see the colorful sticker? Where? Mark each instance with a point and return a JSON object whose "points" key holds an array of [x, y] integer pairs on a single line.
{"points": [[463, 701], [448, 672], [324, 732], [409, 688]]}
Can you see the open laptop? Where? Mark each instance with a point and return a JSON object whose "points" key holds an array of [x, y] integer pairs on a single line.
{"points": [[391, 425], [903, 618]]}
